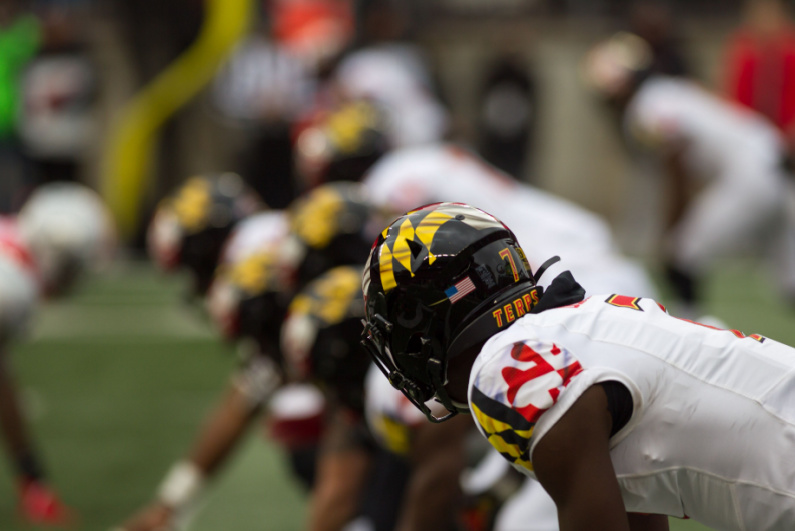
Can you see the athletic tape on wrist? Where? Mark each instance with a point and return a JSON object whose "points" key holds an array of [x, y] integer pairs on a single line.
{"points": [[181, 485]]}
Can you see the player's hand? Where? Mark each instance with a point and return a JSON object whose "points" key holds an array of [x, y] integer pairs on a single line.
{"points": [[40, 505], [155, 517]]}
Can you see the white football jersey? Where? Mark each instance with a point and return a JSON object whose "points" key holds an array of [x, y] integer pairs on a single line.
{"points": [[545, 225], [714, 410], [723, 139], [391, 418]]}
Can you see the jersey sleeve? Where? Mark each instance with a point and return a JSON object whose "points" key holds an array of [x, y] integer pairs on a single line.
{"points": [[511, 392]]}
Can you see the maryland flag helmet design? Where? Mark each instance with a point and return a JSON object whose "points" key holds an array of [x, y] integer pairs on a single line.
{"points": [[190, 226], [320, 336], [439, 281], [336, 224], [341, 145]]}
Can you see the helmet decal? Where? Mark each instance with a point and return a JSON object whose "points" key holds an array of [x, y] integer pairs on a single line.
{"points": [[505, 254], [314, 220], [460, 290], [192, 204], [411, 245], [331, 297], [255, 273], [345, 127], [407, 250]]}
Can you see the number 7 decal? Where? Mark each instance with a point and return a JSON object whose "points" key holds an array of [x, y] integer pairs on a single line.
{"points": [[506, 253]]}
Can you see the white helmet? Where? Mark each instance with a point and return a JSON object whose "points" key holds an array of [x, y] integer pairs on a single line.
{"points": [[69, 230], [611, 66]]}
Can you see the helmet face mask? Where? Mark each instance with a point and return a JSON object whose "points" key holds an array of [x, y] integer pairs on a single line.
{"points": [[446, 275]]}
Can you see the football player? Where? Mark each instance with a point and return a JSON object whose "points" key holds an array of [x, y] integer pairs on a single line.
{"points": [[216, 228], [341, 143], [624, 413], [189, 227], [723, 166], [408, 177], [405, 479], [351, 144], [267, 257], [319, 344], [62, 231], [19, 286]]}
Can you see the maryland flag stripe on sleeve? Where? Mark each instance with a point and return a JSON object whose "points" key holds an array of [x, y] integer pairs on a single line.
{"points": [[507, 431], [523, 380]]}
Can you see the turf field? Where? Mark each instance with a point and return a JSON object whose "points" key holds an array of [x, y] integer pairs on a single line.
{"points": [[117, 378]]}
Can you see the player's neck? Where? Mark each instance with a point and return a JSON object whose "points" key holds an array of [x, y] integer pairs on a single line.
{"points": [[458, 370]]}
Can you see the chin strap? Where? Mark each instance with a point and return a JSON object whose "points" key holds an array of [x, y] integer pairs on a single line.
{"points": [[543, 268]]}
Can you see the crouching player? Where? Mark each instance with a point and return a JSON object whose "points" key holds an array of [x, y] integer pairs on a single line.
{"points": [[263, 262], [62, 231], [624, 413]]}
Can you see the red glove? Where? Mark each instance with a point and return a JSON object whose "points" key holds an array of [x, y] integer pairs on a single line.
{"points": [[40, 505]]}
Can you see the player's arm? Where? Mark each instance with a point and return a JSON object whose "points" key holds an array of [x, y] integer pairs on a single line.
{"points": [[223, 429], [438, 457], [572, 462], [342, 469]]}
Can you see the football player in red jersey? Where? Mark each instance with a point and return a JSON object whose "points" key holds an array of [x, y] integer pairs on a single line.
{"points": [[624, 413]]}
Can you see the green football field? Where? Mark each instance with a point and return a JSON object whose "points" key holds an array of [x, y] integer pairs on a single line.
{"points": [[117, 378]]}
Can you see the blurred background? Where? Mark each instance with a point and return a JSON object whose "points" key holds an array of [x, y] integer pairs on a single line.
{"points": [[131, 97]]}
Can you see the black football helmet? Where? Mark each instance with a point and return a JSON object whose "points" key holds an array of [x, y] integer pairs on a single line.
{"points": [[255, 281], [343, 144], [190, 226], [335, 224], [320, 336], [439, 281]]}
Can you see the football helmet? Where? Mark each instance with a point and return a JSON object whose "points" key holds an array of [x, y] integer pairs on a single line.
{"points": [[68, 230], [336, 225], [341, 145], [613, 67], [439, 281], [255, 280], [320, 336], [189, 227]]}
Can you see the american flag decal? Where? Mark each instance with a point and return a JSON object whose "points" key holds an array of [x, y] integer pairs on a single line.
{"points": [[460, 290]]}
